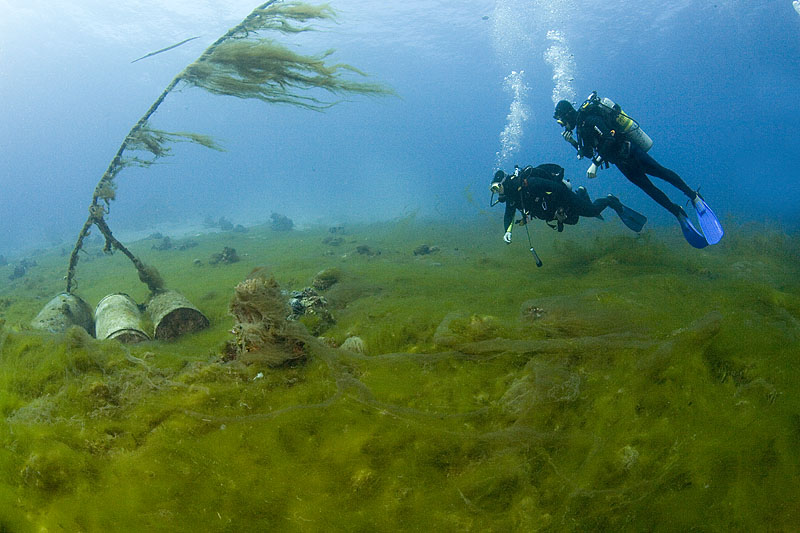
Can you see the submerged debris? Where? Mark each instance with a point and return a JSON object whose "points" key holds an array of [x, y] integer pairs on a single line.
{"points": [[262, 331], [63, 312], [173, 315], [222, 223], [167, 243], [164, 244], [118, 317], [332, 241], [424, 249], [225, 224], [313, 308], [532, 312], [21, 269], [227, 256], [335, 238], [363, 249], [281, 222]]}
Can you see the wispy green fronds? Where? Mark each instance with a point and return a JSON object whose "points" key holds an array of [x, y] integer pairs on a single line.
{"points": [[238, 65], [157, 141], [148, 140], [289, 17], [267, 71], [136, 162], [195, 138]]}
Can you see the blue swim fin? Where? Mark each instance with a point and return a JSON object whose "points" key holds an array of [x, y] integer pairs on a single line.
{"points": [[709, 222], [693, 237], [633, 219]]}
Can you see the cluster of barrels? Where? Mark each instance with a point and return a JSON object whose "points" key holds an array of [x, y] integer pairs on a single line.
{"points": [[166, 315]]}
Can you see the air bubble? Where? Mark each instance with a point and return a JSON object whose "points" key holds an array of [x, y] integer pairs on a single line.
{"points": [[511, 136]]}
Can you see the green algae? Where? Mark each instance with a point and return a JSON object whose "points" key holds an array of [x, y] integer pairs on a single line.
{"points": [[630, 384]]}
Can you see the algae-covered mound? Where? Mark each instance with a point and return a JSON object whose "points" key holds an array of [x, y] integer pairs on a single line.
{"points": [[262, 329], [601, 392]]}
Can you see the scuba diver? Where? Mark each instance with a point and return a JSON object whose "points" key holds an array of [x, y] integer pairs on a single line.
{"points": [[541, 192], [605, 134]]}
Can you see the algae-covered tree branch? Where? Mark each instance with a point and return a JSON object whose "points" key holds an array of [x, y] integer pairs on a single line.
{"points": [[240, 63]]}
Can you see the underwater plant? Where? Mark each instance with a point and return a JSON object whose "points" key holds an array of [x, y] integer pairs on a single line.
{"points": [[241, 63], [262, 330]]}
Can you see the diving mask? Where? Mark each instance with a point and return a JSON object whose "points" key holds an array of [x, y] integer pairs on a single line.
{"points": [[497, 182], [497, 188]]}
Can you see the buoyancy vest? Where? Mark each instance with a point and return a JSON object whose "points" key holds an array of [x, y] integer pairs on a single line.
{"points": [[616, 120]]}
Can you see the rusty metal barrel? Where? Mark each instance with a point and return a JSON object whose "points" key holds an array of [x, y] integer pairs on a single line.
{"points": [[174, 315], [118, 317]]}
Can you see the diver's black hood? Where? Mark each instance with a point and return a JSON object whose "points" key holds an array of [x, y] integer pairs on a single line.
{"points": [[566, 113], [498, 177]]}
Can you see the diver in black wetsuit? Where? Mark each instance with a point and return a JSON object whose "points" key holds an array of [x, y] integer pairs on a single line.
{"points": [[540, 192], [607, 135], [601, 142]]}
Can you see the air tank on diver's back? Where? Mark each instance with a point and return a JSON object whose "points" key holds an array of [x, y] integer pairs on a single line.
{"points": [[629, 127]]}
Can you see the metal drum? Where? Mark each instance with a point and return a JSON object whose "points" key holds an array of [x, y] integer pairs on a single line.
{"points": [[118, 317], [63, 311], [173, 315]]}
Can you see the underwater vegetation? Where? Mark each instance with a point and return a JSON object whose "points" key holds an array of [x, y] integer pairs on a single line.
{"points": [[631, 384], [262, 327], [241, 63]]}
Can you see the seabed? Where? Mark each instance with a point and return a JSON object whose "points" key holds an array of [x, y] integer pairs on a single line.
{"points": [[630, 384]]}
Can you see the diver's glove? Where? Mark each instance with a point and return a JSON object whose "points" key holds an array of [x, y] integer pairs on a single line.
{"points": [[567, 134], [591, 172], [507, 237]]}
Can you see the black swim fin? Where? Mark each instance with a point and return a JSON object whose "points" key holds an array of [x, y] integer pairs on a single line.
{"points": [[633, 219]]}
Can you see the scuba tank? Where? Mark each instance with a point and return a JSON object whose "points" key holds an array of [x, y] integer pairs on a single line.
{"points": [[626, 124]]}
